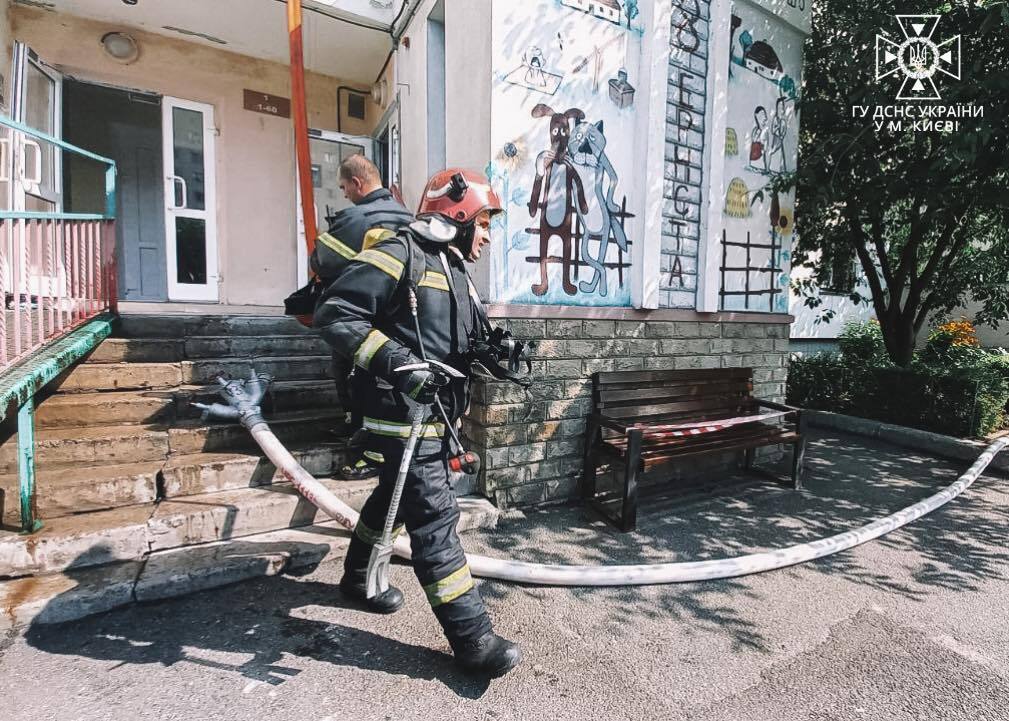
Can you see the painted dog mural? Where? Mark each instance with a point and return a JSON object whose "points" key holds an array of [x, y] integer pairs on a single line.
{"points": [[557, 192], [587, 148]]}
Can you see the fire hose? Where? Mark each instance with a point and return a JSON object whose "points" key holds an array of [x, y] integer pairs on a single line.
{"points": [[243, 399]]}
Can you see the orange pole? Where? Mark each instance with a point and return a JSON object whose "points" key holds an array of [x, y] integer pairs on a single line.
{"points": [[299, 114]]}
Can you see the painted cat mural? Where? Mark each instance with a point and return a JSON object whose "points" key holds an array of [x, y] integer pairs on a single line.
{"points": [[587, 149]]}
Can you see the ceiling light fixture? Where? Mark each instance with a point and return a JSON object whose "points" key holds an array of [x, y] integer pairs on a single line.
{"points": [[121, 47]]}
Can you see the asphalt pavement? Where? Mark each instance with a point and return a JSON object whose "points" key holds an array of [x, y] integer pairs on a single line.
{"points": [[912, 626]]}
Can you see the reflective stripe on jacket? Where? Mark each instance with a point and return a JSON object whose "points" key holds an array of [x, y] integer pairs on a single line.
{"points": [[365, 316], [377, 217]]}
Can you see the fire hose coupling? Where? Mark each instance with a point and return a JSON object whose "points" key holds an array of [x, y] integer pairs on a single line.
{"points": [[242, 400]]}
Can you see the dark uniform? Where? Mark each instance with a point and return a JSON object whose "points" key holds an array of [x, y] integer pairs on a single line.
{"points": [[376, 217], [366, 317]]}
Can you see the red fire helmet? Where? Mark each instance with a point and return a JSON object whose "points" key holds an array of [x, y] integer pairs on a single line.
{"points": [[458, 195]]}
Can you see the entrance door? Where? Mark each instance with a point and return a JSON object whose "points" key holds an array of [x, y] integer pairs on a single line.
{"points": [[328, 150], [35, 102], [31, 168], [126, 127], [190, 208]]}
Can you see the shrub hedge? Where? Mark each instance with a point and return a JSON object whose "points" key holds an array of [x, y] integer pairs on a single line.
{"points": [[956, 390]]}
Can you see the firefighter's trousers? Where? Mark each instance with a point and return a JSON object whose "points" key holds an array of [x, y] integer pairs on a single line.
{"points": [[430, 514]]}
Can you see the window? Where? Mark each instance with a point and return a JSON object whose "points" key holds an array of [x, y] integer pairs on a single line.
{"points": [[837, 273]]}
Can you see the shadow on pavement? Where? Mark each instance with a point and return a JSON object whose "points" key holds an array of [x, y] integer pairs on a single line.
{"points": [[220, 629], [850, 481]]}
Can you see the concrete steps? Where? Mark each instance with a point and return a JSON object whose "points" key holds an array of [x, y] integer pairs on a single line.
{"points": [[81, 591], [171, 350], [165, 406], [130, 376], [192, 326], [192, 475], [75, 410], [104, 445], [65, 491], [142, 500], [131, 533]]}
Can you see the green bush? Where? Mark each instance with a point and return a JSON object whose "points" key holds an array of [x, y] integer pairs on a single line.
{"points": [[862, 342], [961, 391]]}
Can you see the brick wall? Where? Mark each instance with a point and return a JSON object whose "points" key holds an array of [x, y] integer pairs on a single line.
{"points": [[531, 442]]}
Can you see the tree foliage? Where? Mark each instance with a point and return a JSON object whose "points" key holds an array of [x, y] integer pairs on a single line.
{"points": [[924, 213]]}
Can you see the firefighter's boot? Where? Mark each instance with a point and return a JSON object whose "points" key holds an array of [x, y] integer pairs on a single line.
{"points": [[390, 601], [488, 655]]}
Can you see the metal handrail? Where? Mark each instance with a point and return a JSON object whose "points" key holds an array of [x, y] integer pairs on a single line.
{"points": [[59, 271]]}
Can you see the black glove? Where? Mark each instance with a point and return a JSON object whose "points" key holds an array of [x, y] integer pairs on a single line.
{"points": [[420, 385]]}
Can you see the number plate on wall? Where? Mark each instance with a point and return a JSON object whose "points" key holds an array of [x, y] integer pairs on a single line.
{"points": [[267, 104]]}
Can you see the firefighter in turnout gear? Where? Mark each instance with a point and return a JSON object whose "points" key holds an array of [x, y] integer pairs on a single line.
{"points": [[374, 216], [365, 315]]}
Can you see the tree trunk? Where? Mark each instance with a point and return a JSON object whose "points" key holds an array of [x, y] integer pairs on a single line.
{"points": [[899, 337]]}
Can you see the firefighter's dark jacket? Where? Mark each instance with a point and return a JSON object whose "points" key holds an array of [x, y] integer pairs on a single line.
{"points": [[354, 229], [365, 316]]}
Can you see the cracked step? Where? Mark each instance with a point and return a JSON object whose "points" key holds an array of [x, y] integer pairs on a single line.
{"points": [[194, 520], [67, 491], [296, 427], [191, 475], [133, 532], [90, 446], [73, 543]]}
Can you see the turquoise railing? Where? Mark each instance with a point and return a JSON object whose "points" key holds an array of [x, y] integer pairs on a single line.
{"points": [[58, 276]]}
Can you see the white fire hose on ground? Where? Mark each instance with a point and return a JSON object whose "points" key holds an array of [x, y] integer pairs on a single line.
{"points": [[243, 404]]}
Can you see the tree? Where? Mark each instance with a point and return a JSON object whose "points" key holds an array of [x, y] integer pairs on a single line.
{"points": [[631, 11], [924, 212]]}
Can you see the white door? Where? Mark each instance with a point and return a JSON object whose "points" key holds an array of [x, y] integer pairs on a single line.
{"points": [[190, 200], [327, 150], [34, 165]]}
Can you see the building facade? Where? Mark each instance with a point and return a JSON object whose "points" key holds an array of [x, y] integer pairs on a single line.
{"points": [[632, 143]]}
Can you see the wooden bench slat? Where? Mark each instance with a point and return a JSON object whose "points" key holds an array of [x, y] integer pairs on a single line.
{"points": [[712, 405], [604, 377], [686, 390], [728, 435], [658, 460], [708, 416]]}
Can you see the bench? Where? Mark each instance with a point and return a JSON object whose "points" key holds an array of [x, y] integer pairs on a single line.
{"points": [[643, 419]]}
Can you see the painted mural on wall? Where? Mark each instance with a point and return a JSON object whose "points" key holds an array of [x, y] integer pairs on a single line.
{"points": [[562, 135], [685, 191], [761, 144]]}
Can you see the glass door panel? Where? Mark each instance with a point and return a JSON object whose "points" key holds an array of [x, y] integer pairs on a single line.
{"points": [[190, 213]]}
